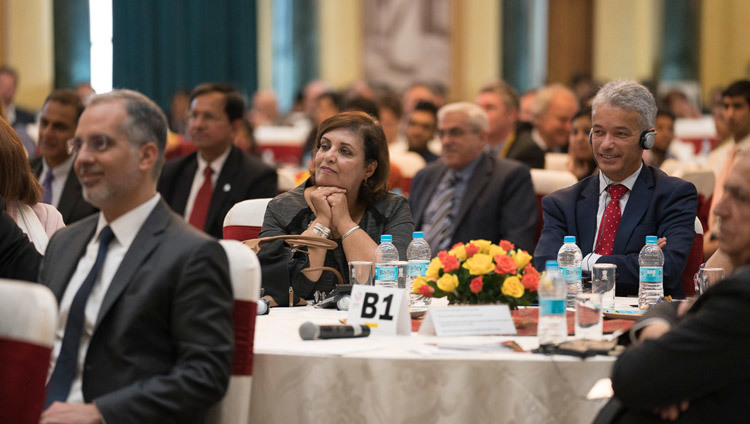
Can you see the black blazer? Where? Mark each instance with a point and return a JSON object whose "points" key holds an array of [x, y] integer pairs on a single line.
{"points": [[162, 345], [242, 177], [72, 207], [499, 202], [524, 149], [702, 359]]}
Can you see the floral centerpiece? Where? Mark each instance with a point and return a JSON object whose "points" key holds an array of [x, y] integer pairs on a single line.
{"points": [[481, 272]]}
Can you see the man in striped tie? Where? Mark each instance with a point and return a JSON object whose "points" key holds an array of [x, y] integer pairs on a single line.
{"points": [[612, 213], [471, 194]]}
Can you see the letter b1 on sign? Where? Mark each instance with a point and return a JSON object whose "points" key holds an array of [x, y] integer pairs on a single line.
{"points": [[384, 310]]}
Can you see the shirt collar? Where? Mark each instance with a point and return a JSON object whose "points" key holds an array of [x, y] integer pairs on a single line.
{"points": [[127, 226], [60, 170], [216, 164], [468, 170], [628, 182]]}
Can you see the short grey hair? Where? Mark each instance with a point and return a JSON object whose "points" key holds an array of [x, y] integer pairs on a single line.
{"points": [[145, 123], [628, 95], [477, 117], [545, 95], [508, 94]]}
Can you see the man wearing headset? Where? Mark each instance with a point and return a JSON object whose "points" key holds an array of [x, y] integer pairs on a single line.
{"points": [[648, 202]]}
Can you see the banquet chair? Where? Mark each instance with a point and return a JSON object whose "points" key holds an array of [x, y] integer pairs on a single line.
{"points": [[703, 180], [28, 319], [244, 219], [546, 181], [695, 258], [556, 161], [244, 271]]}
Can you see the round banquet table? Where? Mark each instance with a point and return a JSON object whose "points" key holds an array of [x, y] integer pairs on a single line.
{"points": [[406, 379]]}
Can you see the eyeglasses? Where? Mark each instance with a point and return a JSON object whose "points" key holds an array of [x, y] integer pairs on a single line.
{"points": [[454, 132], [95, 143]]}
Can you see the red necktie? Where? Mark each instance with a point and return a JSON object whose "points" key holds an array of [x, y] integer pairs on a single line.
{"points": [[608, 229], [202, 201]]}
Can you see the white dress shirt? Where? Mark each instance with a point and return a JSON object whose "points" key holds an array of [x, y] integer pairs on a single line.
{"points": [[604, 198], [60, 176], [125, 229], [216, 166]]}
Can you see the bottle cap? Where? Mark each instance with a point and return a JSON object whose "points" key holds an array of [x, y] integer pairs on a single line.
{"points": [[569, 239], [550, 265], [386, 238], [417, 234], [651, 239]]}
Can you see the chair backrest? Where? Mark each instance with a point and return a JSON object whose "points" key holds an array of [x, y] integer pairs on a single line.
{"points": [[703, 180], [546, 181], [695, 258], [244, 219], [244, 270], [28, 320], [556, 161]]}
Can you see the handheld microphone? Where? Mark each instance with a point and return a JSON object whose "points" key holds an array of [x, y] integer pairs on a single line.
{"points": [[310, 331]]}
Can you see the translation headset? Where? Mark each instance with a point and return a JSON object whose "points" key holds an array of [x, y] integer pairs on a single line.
{"points": [[646, 141]]}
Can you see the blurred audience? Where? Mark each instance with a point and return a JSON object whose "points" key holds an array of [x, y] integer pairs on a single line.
{"points": [[421, 129], [526, 106], [264, 110], [500, 102], [581, 161]]}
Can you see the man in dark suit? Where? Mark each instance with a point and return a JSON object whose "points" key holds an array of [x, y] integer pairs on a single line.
{"points": [[215, 116], [145, 328], [54, 166], [469, 194], [688, 361], [8, 85], [650, 202]]}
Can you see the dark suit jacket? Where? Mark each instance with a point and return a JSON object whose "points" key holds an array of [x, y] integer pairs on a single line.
{"points": [[72, 207], [658, 205], [245, 176], [162, 346], [524, 149], [19, 259], [702, 359], [499, 202]]}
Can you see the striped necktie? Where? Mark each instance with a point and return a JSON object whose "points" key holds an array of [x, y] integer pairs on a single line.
{"points": [[47, 187], [439, 233]]}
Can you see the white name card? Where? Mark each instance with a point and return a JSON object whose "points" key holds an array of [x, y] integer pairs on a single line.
{"points": [[468, 321], [384, 310]]}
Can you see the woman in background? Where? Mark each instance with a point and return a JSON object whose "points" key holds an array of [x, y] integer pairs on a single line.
{"points": [[580, 155], [22, 191]]}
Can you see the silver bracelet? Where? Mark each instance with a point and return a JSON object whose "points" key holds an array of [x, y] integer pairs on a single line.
{"points": [[321, 230], [348, 233]]}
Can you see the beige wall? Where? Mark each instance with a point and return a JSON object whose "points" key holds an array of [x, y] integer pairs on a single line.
{"points": [[626, 38], [476, 46], [265, 50], [725, 44], [340, 30], [29, 48]]}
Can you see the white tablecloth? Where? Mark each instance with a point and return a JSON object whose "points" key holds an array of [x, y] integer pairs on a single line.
{"points": [[403, 379]]}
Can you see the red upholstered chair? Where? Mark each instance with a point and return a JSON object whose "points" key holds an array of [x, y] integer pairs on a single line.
{"points": [[545, 182], [703, 179], [694, 260], [28, 319], [244, 270], [244, 220]]}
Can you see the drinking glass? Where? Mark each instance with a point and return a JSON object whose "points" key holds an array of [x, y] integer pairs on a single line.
{"points": [[707, 277], [603, 282], [589, 321], [402, 265], [360, 272]]}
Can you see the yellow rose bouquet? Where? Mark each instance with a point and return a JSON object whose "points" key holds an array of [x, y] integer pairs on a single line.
{"points": [[481, 272]]}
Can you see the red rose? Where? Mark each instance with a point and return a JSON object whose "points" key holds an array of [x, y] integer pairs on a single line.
{"points": [[506, 245], [530, 282], [450, 262], [456, 245], [471, 249], [476, 285], [426, 290], [531, 270], [504, 264]]}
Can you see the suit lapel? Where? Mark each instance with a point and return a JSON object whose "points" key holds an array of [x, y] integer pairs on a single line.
{"points": [[72, 250], [586, 208], [70, 194], [226, 177], [432, 180], [477, 183], [640, 198], [182, 183], [148, 238]]}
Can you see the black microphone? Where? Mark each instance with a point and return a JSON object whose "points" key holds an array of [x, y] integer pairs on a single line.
{"points": [[310, 331]]}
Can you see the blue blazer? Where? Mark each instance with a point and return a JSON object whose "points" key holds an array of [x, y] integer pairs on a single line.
{"points": [[658, 205]]}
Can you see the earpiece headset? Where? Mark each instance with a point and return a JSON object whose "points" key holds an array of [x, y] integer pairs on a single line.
{"points": [[645, 142]]}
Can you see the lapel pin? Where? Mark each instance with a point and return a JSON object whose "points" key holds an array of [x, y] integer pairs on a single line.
{"points": [[227, 187]]}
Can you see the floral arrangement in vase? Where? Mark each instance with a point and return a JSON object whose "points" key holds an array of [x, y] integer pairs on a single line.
{"points": [[480, 272]]}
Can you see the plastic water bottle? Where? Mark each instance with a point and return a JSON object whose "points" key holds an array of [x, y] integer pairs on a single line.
{"points": [[386, 269], [418, 254], [569, 260], [651, 281], [553, 324]]}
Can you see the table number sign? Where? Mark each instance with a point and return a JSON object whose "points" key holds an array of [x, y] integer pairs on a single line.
{"points": [[468, 321], [384, 310]]}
